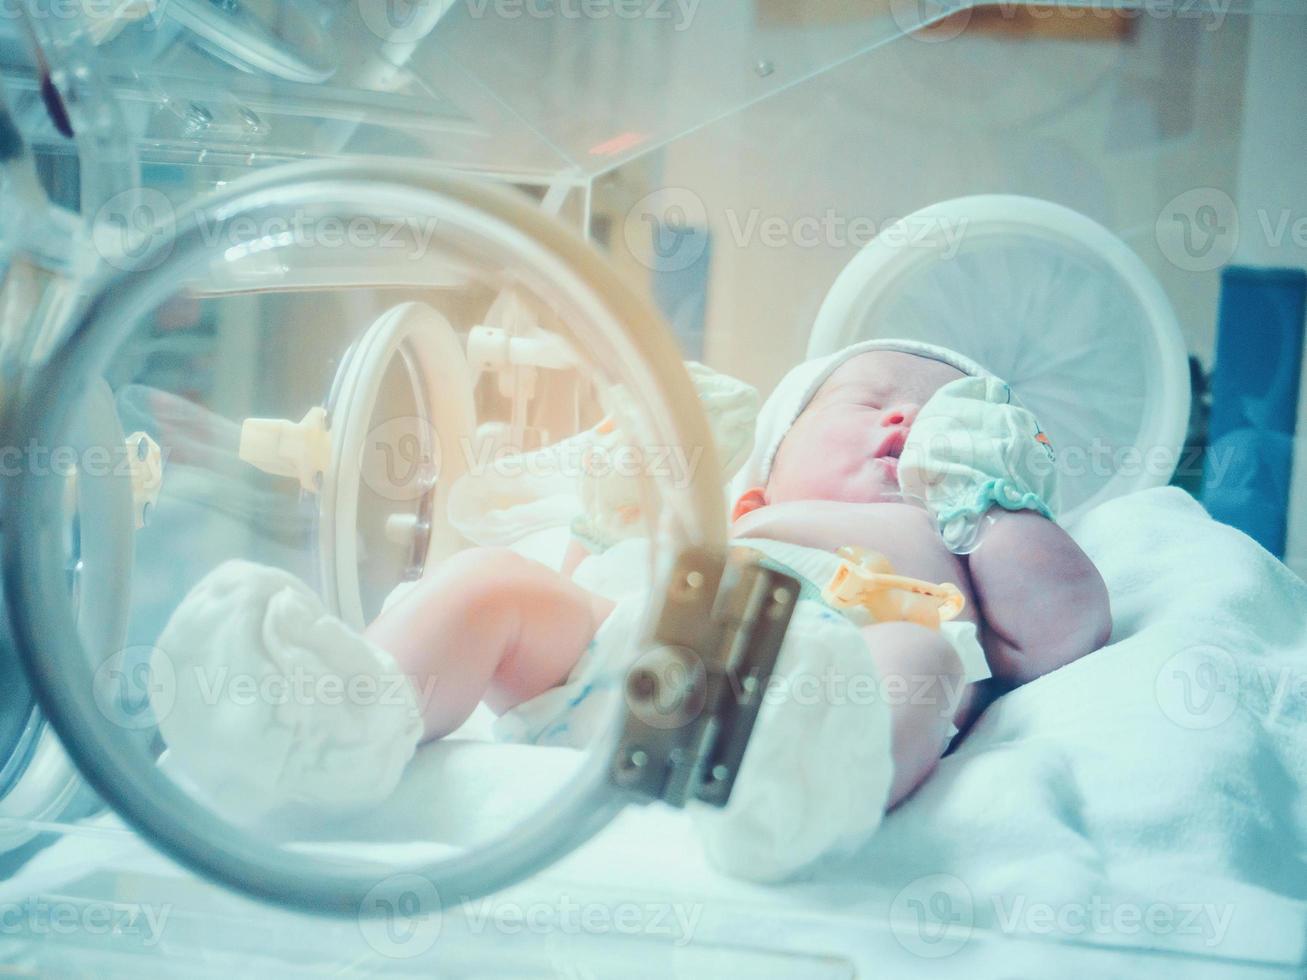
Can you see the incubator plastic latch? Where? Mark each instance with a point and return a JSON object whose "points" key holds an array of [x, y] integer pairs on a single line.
{"points": [[146, 462], [492, 349], [516, 358], [693, 697], [283, 448]]}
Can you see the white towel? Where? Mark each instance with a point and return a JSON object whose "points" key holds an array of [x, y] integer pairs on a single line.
{"points": [[1163, 776]]}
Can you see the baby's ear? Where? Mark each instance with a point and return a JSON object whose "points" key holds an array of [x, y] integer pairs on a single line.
{"points": [[749, 501]]}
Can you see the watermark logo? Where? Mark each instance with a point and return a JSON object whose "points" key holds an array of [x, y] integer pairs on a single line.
{"points": [[1198, 230], [403, 21], [401, 459], [401, 916], [834, 687], [134, 230], [45, 918], [1017, 916], [409, 21], [679, 13], [667, 687], [129, 225], [666, 230], [135, 687], [97, 461], [832, 229], [673, 922], [104, 18], [933, 916], [910, 15], [1198, 688]]}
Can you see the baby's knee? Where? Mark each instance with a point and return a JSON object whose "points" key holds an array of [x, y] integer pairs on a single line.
{"points": [[477, 577], [482, 562], [913, 652]]}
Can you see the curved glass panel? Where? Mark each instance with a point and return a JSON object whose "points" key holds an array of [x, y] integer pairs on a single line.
{"points": [[341, 526]]}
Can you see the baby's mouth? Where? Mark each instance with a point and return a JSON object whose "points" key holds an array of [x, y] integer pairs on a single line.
{"points": [[891, 447]]}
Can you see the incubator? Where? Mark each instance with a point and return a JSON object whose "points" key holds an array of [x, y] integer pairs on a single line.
{"points": [[322, 286]]}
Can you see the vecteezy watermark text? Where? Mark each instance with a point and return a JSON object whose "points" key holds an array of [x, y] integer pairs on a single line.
{"points": [[408, 21], [45, 917], [935, 916], [1200, 229], [134, 229], [679, 12], [39, 459], [666, 230], [403, 916]]}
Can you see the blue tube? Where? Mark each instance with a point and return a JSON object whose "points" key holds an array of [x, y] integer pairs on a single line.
{"points": [[1259, 347]]}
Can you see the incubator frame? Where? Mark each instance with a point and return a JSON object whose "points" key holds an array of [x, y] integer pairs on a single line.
{"points": [[741, 632]]}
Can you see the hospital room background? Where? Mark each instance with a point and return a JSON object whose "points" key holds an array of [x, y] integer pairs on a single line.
{"points": [[1108, 200], [1117, 130]]}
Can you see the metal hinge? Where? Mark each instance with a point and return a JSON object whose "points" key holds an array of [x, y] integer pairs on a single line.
{"points": [[692, 698]]}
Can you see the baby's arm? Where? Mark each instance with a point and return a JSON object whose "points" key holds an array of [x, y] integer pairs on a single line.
{"points": [[487, 624], [1041, 598]]}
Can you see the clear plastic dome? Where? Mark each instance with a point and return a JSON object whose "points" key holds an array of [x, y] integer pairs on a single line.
{"points": [[340, 382]]}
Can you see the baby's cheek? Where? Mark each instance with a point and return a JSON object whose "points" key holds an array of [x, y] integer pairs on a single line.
{"points": [[852, 480], [872, 485]]}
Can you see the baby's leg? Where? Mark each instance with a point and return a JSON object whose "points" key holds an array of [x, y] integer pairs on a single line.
{"points": [[921, 679], [487, 624]]}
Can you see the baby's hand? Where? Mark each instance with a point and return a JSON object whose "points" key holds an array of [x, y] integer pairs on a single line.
{"points": [[973, 450]]}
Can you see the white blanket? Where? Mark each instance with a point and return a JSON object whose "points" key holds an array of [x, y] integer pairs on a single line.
{"points": [[1153, 793]]}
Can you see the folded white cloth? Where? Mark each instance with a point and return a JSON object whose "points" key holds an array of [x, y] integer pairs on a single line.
{"points": [[519, 494], [596, 478], [274, 701], [817, 773], [1150, 794], [611, 494]]}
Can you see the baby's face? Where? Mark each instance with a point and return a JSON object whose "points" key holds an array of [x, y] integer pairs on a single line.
{"points": [[846, 443]]}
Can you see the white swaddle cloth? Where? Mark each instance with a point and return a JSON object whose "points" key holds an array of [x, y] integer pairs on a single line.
{"points": [[596, 481], [612, 499]]}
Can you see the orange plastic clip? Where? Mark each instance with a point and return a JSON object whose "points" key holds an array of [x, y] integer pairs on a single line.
{"points": [[866, 578]]}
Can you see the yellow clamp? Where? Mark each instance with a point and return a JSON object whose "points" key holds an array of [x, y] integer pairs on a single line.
{"points": [[866, 578]]}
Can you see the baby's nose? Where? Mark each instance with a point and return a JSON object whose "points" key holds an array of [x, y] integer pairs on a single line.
{"points": [[904, 414]]}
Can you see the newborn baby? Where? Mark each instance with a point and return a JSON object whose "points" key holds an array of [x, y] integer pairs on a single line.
{"points": [[909, 450], [926, 489]]}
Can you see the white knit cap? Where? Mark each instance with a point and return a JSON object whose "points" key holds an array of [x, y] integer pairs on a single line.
{"points": [[796, 389]]}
